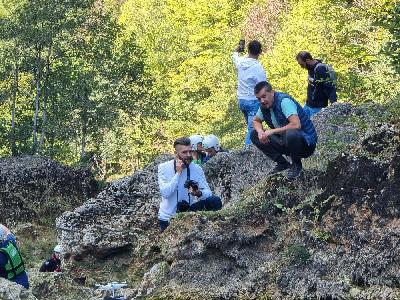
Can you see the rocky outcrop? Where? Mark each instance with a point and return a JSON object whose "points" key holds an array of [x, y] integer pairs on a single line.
{"points": [[13, 291], [55, 286], [123, 217], [35, 188], [334, 234], [317, 237]]}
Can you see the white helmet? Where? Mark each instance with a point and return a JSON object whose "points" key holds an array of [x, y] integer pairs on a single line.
{"points": [[194, 140], [211, 141], [58, 249]]}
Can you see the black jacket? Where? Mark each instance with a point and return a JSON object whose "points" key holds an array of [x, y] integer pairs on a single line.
{"points": [[320, 89], [53, 264]]}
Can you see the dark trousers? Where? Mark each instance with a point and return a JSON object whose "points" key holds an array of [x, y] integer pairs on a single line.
{"points": [[291, 143], [210, 203]]}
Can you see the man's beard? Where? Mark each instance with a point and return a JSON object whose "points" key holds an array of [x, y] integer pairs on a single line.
{"points": [[186, 161]]}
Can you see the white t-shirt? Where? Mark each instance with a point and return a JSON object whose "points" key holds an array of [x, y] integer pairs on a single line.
{"points": [[250, 72]]}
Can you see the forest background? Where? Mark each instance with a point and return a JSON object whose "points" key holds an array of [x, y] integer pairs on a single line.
{"points": [[111, 83]]}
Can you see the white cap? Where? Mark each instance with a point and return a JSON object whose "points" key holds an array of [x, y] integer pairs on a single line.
{"points": [[58, 249], [211, 141], [194, 140]]}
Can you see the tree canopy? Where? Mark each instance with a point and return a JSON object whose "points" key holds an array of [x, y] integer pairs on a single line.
{"points": [[112, 83]]}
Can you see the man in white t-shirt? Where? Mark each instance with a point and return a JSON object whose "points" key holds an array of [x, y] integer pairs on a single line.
{"points": [[183, 185], [250, 72]]}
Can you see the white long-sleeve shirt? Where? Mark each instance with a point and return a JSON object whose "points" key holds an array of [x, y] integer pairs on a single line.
{"points": [[172, 187], [250, 72]]}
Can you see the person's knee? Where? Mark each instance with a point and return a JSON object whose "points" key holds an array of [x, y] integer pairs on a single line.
{"points": [[293, 135], [214, 202]]}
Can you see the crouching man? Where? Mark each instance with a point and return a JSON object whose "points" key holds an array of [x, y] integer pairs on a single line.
{"points": [[183, 185], [291, 131]]}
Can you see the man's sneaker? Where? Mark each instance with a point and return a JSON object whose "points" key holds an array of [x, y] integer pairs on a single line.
{"points": [[295, 171], [279, 168]]}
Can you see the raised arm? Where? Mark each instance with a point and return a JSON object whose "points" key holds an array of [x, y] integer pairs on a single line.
{"points": [[168, 185]]}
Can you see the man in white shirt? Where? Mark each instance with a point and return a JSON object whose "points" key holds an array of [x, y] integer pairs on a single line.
{"points": [[250, 72], [183, 185]]}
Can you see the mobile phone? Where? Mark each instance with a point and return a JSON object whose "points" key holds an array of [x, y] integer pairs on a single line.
{"points": [[241, 45]]}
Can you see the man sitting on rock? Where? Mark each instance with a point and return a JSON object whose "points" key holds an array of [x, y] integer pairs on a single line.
{"points": [[183, 185], [53, 264], [11, 264], [291, 131]]}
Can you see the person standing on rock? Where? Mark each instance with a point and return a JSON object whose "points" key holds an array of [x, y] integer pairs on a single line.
{"points": [[11, 264], [53, 264], [183, 185], [250, 72], [321, 83], [291, 131]]}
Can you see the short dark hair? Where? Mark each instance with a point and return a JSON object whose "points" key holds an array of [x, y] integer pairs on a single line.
{"points": [[254, 47], [184, 141], [262, 84], [303, 55]]}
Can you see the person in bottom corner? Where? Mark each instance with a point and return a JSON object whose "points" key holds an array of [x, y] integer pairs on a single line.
{"points": [[53, 264], [11, 264], [183, 185]]}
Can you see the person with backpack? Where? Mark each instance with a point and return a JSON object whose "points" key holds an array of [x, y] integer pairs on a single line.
{"points": [[321, 83], [250, 72], [11, 264], [291, 132], [183, 185]]}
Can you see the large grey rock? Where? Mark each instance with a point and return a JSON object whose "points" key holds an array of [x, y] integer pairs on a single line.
{"points": [[55, 286], [35, 188], [12, 291], [123, 217], [231, 173]]}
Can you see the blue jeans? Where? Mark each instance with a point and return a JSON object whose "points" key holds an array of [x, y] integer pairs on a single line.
{"points": [[249, 109], [311, 110], [210, 203]]}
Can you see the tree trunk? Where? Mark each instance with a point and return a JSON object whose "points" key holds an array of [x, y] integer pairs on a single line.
{"points": [[84, 120], [14, 101], [37, 98], [45, 97]]}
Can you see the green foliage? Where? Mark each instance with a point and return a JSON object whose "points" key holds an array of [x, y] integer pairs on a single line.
{"points": [[297, 254], [112, 84], [344, 35], [322, 235], [37, 246]]}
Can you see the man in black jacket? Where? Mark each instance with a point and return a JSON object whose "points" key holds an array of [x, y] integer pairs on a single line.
{"points": [[53, 264], [321, 83]]}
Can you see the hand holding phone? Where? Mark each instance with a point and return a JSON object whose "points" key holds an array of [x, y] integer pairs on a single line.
{"points": [[241, 46], [180, 165]]}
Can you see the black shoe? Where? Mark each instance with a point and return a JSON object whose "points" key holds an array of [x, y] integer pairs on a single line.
{"points": [[295, 171], [279, 168]]}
